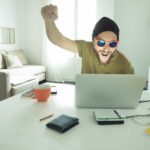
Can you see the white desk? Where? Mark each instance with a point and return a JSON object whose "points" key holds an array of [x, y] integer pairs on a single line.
{"points": [[20, 128]]}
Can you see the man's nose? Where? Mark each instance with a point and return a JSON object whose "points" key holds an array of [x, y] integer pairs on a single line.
{"points": [[106, 46]]}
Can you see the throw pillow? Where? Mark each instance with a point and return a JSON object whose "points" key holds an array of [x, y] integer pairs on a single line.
{"points": [[20, 55], [2, 63], [12, 61]]}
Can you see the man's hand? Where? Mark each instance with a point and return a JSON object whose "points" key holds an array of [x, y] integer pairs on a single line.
{"points": [[49, 12]]}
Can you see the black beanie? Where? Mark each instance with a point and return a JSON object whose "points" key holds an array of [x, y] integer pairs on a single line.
{"points": [[105, 24]]}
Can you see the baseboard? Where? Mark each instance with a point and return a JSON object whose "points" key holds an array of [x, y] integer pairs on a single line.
{"points": [[64, 82], [43, 81]]}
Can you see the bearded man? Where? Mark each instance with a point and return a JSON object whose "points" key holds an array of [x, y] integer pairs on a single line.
{"points": [[100, 55]]}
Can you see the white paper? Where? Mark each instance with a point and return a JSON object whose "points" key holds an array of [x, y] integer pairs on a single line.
{"points": [[105, 114]]}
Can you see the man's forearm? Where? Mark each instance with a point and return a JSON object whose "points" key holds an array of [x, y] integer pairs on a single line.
{"points": [[52, 31], [57, 38]]}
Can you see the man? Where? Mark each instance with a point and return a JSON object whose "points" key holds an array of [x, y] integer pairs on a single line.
{"points": [[100, 55]]}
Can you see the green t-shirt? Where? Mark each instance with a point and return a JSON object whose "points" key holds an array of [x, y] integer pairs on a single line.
{"points": [[118, 63]]}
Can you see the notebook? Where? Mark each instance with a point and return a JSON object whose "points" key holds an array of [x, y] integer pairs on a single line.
{"points": [[108, 90]]}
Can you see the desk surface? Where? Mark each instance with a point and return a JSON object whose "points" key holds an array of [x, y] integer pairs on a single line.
{"points": [[20, 128]]}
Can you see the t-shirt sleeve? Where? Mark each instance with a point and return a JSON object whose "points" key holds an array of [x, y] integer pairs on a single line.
{"points": [[81, 44], [131, 70]]}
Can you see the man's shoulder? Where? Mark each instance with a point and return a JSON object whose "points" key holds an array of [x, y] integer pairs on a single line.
{"points": [[122, 56], [83, 42], [83, 46], [125, 64]]}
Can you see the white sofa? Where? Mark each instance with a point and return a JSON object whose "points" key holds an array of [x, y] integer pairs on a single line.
{"points": [[16, 74]]}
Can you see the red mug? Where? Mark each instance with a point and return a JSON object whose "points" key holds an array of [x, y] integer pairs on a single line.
{"points": [[42, 92]]}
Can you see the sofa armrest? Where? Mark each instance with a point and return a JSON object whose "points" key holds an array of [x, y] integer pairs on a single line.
{"points": [[5, 85]]}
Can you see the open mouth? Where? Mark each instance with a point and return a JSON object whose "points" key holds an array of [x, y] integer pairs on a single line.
{"points": [[104, 57]]}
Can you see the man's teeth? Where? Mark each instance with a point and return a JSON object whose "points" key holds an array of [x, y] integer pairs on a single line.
{"points": [[104, 54]]}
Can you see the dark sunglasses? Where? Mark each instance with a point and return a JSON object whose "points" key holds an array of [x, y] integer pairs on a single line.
{"points": [[102, 43]]}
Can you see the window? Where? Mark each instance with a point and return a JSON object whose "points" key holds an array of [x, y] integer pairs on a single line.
{"points": [[76, 21]]}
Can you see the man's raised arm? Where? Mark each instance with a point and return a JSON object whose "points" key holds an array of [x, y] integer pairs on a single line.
{"points": [[50, 14]]}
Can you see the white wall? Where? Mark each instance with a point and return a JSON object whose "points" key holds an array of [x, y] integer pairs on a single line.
{"points": [[31, 29], [25, 17], [105, 8], [133, 18], [8, 18]]}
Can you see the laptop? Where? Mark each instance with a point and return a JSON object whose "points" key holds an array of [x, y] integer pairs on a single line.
{"points": [[108, 90]]}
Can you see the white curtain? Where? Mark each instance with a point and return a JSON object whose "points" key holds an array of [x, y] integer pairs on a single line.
{"points": [[76, 21]]}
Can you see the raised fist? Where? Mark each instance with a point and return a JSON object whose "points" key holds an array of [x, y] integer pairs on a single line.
{"points": [[49, 12]]}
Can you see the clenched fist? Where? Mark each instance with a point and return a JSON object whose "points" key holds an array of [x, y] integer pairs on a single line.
{"points": [[49, 12]]}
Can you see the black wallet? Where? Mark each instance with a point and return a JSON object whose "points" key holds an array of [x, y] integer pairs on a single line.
{"points": [[63, 123]]}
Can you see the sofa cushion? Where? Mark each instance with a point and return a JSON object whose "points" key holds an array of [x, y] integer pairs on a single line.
{"points": [[24, 87], [20, 55], [12, 61], [27, 70], [19, 79]]}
